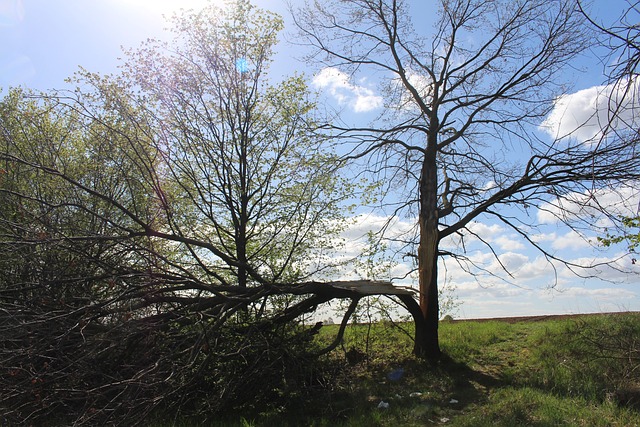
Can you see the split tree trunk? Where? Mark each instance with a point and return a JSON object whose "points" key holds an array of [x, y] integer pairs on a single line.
{"points": [[428, 345]]}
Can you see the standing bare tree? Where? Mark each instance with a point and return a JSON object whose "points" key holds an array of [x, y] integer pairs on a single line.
{"points": [[459, 137]]}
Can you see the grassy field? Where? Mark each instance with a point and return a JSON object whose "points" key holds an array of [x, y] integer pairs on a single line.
{"points": [[577, 371]]}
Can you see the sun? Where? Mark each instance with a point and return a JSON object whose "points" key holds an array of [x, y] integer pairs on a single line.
{"points": [[156, 8], [149, 18], [167, 7]]}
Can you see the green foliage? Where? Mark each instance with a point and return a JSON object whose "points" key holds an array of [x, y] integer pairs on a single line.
{"points": [[244, 169], [630, 235], [49, 226], [150, 224]]}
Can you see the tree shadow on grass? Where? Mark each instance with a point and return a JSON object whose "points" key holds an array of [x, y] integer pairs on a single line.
{"points": [[416, 392]]}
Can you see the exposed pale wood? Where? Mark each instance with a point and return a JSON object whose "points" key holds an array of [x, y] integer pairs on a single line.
{"points": [[371, 287]]}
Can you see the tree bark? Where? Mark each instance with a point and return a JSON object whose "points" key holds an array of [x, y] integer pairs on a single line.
{"points": [[429, 346], [427, 343]]}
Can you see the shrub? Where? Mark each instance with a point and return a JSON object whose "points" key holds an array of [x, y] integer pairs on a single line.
{"points": [[72, 368], [596, 356]]}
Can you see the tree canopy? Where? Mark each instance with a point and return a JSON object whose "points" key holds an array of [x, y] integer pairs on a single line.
{"points": [[157, 222]]}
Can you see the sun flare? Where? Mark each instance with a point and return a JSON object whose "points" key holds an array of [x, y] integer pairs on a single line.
{"points": [[165, 7]]}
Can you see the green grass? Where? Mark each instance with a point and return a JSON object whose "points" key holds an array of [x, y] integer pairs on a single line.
{"points": [[564, 372], [523, 406]]}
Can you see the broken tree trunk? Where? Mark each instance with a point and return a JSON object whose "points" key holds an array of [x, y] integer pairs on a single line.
{"points": [[355, 290]]}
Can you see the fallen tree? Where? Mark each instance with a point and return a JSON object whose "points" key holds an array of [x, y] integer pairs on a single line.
{"points": [[87, 364]]}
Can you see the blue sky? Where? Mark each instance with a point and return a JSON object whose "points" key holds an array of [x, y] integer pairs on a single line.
{"points": [[45, 41]]}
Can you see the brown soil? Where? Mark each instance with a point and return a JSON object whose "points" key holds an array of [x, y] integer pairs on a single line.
{"points": [[538, 318]]}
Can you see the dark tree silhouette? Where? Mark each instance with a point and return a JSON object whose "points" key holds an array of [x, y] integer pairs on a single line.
{"points": [[160, 230]]}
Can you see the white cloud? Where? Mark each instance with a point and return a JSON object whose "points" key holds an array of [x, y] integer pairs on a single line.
{"points": [[511, 261], [354, 244], [622, 201], [585, 114], [540, 271], [359, 98], [486, 231], [615, 268], [480, 302], [570, 240], [509, 243], [599, 293], [493, 293], [363, 224], [495, 234], [486, 292]]}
